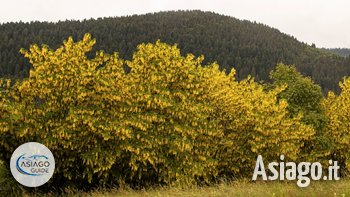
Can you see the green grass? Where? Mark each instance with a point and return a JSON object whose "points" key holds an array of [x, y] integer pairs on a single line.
{"points": [[239, 188]]}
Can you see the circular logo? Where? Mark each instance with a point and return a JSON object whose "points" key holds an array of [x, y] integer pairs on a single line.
{"points": [[32, 164]]}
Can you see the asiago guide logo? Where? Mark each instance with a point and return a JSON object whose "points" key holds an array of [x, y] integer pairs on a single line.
{"points": [[32, 164]]}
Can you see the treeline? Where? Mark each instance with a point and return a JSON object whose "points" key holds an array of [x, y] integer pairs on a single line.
{"points": [[251, 48], [344, 52]]}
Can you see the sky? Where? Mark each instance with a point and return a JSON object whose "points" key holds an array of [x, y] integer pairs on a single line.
{"points": [[325, 23]]}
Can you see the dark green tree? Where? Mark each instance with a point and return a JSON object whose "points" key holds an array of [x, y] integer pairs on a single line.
{"points": [[302, 94], [303, 97]]}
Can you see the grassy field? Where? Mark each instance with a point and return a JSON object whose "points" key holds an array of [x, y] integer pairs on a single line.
{"points": [[240, 188]]}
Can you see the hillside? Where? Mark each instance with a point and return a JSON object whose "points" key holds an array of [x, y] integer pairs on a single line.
{"points": [[249, 47], [344, 52]]}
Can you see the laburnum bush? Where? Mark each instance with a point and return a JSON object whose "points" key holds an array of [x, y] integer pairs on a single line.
{"points": [[72, 105], [168, 120], [337, 130], [177, 133], [100, 122], [254, 123]]}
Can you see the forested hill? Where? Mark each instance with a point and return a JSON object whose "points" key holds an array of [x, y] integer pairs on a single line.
{"points": [[344, 52], [249, 47]]}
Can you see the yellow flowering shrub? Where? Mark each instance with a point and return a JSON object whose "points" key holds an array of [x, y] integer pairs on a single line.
{"points": [[338, 128], [72, 105], [169, 120], [254, 123], [173, 129]]}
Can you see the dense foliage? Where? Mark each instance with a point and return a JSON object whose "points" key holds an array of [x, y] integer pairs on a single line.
{"points": [[303, 97], [8, 185], [338, 112], [248, 47], [302, 94], [170, 119], [344, 52]]}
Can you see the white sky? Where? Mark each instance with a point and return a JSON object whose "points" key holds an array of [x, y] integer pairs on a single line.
{"points": [[323, 22]]}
